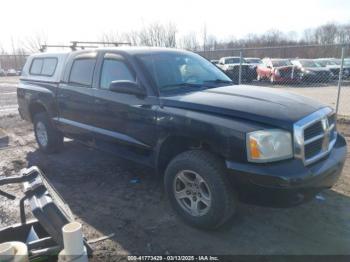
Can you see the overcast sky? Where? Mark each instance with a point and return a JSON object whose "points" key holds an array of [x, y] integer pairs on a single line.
{"points": [[65, 20]]}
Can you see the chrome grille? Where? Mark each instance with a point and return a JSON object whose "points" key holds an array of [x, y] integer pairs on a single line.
{"points": [[315, 135], [313, 130]]}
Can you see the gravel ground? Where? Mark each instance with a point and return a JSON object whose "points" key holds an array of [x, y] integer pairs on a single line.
{"points": [[8, 98], [98, 188]]}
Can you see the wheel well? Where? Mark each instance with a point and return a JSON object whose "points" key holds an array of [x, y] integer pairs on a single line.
{"points": [[36, 108], [175, 145]]}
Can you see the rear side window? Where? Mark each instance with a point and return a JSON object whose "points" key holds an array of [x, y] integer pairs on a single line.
{"points": [[36, 67], [49, 66], [43, 66], [82, 71]]}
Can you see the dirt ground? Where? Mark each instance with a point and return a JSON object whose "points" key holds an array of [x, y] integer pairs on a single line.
{"points": [[98, 189]]}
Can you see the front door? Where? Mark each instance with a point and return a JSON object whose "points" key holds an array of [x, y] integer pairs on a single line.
{"points": [[125, 123]]}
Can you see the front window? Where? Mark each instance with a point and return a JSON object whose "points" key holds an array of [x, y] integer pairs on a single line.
{"points": [[113, 70], [176, 71]]}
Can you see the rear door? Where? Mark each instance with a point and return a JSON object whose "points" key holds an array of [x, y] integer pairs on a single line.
{"points": [[75, 97]]}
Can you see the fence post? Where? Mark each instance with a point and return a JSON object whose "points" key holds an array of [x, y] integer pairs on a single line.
{"points": [[240, 68], [340, 78]]}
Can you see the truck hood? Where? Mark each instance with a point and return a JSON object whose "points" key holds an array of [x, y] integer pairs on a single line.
{"points": [[264, 105]]}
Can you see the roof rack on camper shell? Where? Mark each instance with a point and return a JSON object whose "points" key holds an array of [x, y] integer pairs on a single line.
{"points": [[82, 45]]}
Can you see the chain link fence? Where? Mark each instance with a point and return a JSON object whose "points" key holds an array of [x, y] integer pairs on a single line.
{"points": [[319, 72]]}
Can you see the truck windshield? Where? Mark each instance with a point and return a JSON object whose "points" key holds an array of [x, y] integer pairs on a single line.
{"points": [[309, 63], [233, 60], [253, 60], [281, 62], [182, 72]]}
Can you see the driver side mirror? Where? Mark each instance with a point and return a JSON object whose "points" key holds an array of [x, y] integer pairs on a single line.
{"points": [[126, 87]]}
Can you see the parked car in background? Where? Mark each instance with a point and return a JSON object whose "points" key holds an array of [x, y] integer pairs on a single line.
{"points": [[230, 65], [254, 62], [11, 72], [2, 72], [311, 71], [347, 62], [214, 61], [334, 65], [278, 70]]}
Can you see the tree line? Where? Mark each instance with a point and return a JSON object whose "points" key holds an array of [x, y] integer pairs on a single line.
{"points": [[167, 35]]}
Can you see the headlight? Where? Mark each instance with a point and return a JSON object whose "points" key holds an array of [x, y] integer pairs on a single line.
{"points": [[269, 145]]}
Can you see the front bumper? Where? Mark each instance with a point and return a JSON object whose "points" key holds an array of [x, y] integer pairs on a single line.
{"points": [[289, 182]]}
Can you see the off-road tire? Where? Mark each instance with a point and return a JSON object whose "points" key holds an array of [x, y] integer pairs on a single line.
{"points": [[212, 170], [54, 137]]}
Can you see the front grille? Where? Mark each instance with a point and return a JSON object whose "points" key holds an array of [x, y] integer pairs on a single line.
{"points": [[313, 148], [315, 135], [313, 130]]}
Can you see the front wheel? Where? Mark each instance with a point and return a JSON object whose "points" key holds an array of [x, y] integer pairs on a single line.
{"points": [[198, 189], [47, 136]]}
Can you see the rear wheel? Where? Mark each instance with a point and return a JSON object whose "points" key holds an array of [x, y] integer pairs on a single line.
{"points": [[47, 136], [198, 189]]}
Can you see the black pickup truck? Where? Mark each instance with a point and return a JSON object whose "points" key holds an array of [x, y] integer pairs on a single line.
{"points": [[212, 142]]}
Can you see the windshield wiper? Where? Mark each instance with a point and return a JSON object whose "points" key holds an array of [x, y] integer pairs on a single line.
{"points": [[219, 81], [174, 86]]}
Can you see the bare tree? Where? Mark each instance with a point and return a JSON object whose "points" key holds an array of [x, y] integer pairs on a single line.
{"points": [[204, 37], [189, 42], [156, 34], [33, 44], [2, 50]]}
